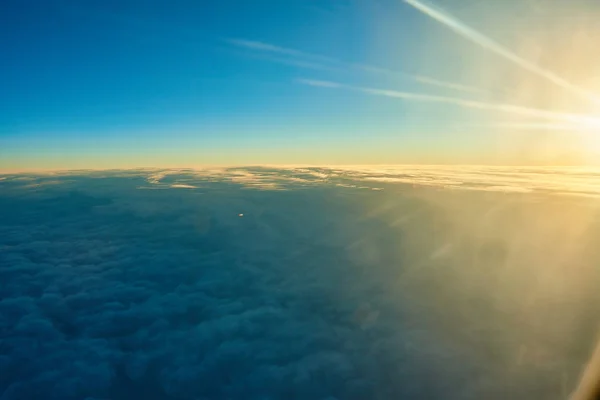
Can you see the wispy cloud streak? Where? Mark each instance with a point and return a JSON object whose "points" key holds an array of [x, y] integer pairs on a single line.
{"points": [[448, 85], [582, 120], [270, 48], [309, 60], [528, 126], [318, 83], [476, 37], [296, 62]]}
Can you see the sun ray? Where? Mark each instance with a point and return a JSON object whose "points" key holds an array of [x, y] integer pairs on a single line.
{"points": [[478, 38], [582, 120]]}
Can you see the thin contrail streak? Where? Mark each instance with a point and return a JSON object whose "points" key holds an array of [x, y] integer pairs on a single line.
{"points": [[456, 86], [476, 37], [296, 62], [581, 120], [419, 78], [328, 62], [527, 126], [271, 48]]}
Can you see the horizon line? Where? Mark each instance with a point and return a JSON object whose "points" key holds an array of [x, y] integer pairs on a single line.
{"points": [[295, 165]]}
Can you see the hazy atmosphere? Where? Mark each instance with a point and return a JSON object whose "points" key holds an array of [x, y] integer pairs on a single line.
{"points": [[319, 199], [113, 84]]}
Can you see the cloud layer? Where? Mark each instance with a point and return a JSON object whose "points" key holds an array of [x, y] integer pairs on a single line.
{"points": [[296, 283], [571, 181]]}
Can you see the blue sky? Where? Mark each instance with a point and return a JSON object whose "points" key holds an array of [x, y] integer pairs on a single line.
{"points": [[144, 83]]}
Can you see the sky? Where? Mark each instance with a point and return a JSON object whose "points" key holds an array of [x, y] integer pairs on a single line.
{"points": [[110, 84]]}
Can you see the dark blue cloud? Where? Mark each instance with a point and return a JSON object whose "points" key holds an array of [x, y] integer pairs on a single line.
{"points": [[110, 290]]}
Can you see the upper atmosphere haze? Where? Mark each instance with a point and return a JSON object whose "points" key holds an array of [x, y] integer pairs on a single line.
{"points": [[119, 84]]}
